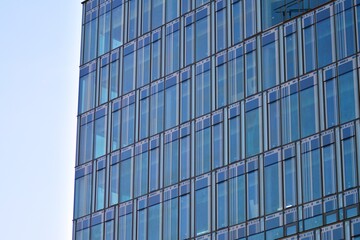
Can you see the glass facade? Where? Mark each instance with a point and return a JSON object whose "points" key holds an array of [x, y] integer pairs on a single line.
{"points": [[226, 119]]}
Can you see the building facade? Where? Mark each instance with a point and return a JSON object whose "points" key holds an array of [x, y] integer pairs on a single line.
{"points": [[227, 119]]}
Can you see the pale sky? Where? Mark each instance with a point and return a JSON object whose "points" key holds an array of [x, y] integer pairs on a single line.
{"points": [[39, 59]]}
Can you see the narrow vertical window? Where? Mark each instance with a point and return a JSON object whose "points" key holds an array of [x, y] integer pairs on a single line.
{"points": [[184, 217], [221, 40], [114, 79], [144, 114], [203, 89], [125, 222], [202, 33], [156, 56], [271, 13], [311, 173], [309, 44], [253, 194], [189, 39], [235, 74], [115, 130], [274, 120], [143, 64], [141, 224], [90, 40], [97, 231], [203, 148], [289, 166], [128, 122], [170, 229], [345, 32], [171, 103], [329, 168], [291, 49], [117, 26], [253, 126], [100, 186], [132, 22], [154, 165], [202, 206], [87, 92], [157, 13], [234, 134], [290, 112], [157, 108], [141, 174], [86, 142], [331, 101], [270, 59], [100, 134], [250, 67], [217, 143], [308, 106], [114, 181], [126, 176], [109, 230], [273, 182], [222, 204], [325, 37], [237, 201], [185, 157], [172, 55], [104, 33], [221, 81], [83, 187], [129, 68], [172, 10], [349, 160], [250, 17], [171, 161], [185, 107], [145, 16], [237, 21], [154, 222]]}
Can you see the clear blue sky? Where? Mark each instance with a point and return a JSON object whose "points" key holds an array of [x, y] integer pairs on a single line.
{"points": [[39, 59]]}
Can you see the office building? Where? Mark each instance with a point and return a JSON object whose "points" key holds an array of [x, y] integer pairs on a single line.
{"points": [[227, 119]]}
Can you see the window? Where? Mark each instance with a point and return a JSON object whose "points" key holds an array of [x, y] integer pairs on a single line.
{"points": [[221, 204], [172, 9], [157, 13], [203, 88], [274, 120], [141, 174], [125, 222], [86, 142], [114, 79], [253, 126], [217, 141], [250, 67], [156, 56], [144, 113], [221, 81], [170, 229], [309, 43], [115, 129], [203, 150], [83, 187], [221, 26], [185, 101], [345, 32], [234, 134], [114, 180], [325, 37], [202, 33], [290, 112], [185, 157], [172, 47], [171, 102], [235, 77], [329, 166], [157, 107], [145, 16], [184, 216], [171, 160], [128, 120], [154, 165], [126, 176], [349, 157], [289, 166], [100, 133], [104, 33], [250, 17], [237, 21], [253, 194], [202, 206], [154, 222], [308, 106], [129, 69], [100, 185], [270, 59], [117, 26], [87, 89], [189, 39], [237, 207], [331, 98], [273, 182], [132, 22], [272, 12], [90, 40], [143, 63], [291, 57]]}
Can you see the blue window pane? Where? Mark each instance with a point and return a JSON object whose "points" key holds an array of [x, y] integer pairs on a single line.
{"points": [[273, 188], [270, 65], [82, 205], [201, 2], [141, 174], [237, 202], [157, 13], [357, 10], [237, 22], [132, 22], [349, 163], [115, 131], [291, 56], [222, 206], [236, 79], [325, 44], [171, 161], [146, 16], [253, 195], [331, 103], [104, 84], [83, 234], [172, 10], [171, 107], [308, 109], [253, 134], [220, 89], [90, 40], [185, 108], [87, 92], [117, 27], [127, 125], [156, 112], [250, 73], [347, 96], [129, 73], [329, 170], [141, 225], [202, 38], [217, 146], [125, 227], [202, 211], [189, 44], [275, 233], [184, 220], [154, 222], [274, 124], [104, 33], [126, 179], [86, 143], [185, 158], [172, 52], [290, 118], [311, 175], [309, 49], [170, 230], [100, 137], [97, 232], [154, 169], [203, 93], [144, 118], [250, 17], [234, 139], [345, 33], [114, 184], [203, 151], [114, 79], [221, 30], [272, 12], [156, 60], [109, 230], [143, 66], [290, 182], [100, 189]]}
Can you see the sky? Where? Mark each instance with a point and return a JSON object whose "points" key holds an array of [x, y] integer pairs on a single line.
{"points": [[39, 69]]}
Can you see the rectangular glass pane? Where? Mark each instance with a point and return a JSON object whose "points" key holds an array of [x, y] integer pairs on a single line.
{"points": [[236, 79], [127, 125], [331, 103], [325, 44], [273, 188], [117, 27], [171, 107], [308, 109], [222, 206], [104, 33], [290, 118], [86, 143], [154, 164], [291, 57], [126, 179], [202, 38], [157, 13], [114, 184], [253, 134], [309, 48], [141, 174], [220, 89], [345, 33], [129, 73], [203, 151], [172, 52], [311, 175], [237, 207], [203, 93], [170, 230], [253, 195], [349, 163], [90, 41], [125, 227], [143, 66], [87, 92], [202, 211], [185, 108], [347, 96], [154, 222], [329, 170], [100, 137], [156, 112], [82, 205], [274, 124], [290, 182], [171, 161], [217, 146], [185, 158], [234, 139], [237, 22], [221, 30]]}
